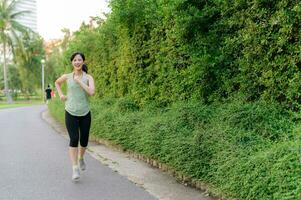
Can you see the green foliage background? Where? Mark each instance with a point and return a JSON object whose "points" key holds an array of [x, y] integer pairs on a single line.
{"points": [[210, 88], [165, 51], [28, 62]]}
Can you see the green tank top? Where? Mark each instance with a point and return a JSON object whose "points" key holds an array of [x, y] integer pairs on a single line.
{"points": [[77, 103]]}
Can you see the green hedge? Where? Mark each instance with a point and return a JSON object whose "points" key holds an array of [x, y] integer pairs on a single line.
{"points": [[207, 87], [166, 51], [240, 150]]}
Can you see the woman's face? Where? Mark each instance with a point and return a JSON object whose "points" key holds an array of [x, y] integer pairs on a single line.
{"points": [[77, 62]]}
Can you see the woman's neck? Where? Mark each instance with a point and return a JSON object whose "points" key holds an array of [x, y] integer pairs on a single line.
{"points": [[78, 72]]}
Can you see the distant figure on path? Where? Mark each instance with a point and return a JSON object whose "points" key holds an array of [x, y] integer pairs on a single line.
{"points": [[48, 93], [80, 85]]}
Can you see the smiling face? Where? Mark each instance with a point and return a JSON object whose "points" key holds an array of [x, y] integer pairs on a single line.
{"points": [[77, 62]]}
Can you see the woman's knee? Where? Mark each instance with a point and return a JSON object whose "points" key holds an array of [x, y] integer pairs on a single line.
{"points": [[84, 142], [73, 142]]}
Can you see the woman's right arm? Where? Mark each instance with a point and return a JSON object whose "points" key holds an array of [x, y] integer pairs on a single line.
{"points": [[58, 84]]}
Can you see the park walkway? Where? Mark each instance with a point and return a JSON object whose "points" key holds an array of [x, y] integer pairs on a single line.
{"points": [[35, 165]]}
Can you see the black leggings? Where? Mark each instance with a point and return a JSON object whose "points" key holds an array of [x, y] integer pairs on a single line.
{"points": [[78, 129]]}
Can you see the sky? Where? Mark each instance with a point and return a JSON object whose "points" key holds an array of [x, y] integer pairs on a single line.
{"points": [[54, 15]]}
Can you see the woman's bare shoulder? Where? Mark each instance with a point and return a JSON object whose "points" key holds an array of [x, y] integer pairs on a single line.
{"points": [[89, 76], [63, 77]]}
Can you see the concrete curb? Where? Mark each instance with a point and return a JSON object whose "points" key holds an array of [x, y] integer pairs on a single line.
{"points": [[156, 178]]}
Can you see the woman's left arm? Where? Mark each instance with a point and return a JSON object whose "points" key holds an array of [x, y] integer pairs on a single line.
{"points": [[90, 88]]}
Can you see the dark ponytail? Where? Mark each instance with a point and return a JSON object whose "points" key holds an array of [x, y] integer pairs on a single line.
{"points": [[84, 67]]}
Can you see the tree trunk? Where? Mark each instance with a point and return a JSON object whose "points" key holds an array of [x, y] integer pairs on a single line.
{"points": [[6, 89]]}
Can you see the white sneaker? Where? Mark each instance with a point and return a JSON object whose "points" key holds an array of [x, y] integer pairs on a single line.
{"points": [[75, 174], [82, 164]]}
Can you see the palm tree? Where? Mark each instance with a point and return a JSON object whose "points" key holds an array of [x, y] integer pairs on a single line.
{"points": [[10, 31]]}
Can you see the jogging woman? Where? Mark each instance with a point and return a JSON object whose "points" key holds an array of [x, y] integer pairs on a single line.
{"points": [[80, 85]]}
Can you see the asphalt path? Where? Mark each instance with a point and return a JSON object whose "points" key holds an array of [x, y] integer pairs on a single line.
{"points": [[34, 164]]}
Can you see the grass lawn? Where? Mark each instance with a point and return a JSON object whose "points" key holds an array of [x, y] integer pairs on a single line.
{"points": [[4, 104]]}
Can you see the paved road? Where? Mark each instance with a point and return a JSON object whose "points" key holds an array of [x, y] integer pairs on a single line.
{"points": [[34, 164]]}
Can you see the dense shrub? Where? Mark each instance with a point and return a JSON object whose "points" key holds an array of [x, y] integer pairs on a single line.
{"points": [[166, 51], [246, 151], [210, 88]]}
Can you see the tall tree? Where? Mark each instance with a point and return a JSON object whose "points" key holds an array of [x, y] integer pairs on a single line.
{"points": [[10, 30], [28, 62]]}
